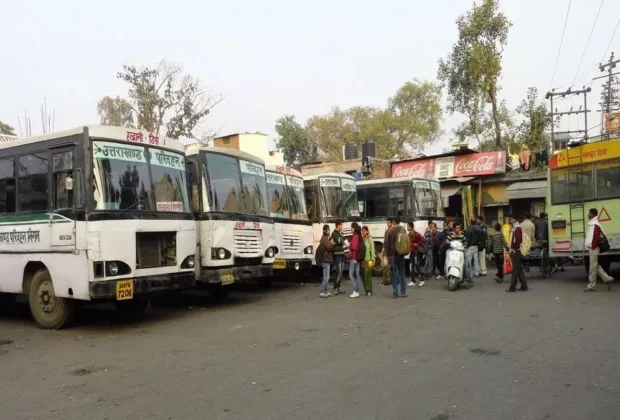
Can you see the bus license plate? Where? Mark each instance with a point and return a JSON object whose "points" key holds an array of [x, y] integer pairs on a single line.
{"points": [[227, 276], [279, 264], [124, 289]]}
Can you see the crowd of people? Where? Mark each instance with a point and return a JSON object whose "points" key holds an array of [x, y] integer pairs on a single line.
{"points": [[427, 253]]}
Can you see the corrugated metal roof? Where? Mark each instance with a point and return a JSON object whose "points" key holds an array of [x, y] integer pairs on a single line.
{"points": [[527, 185]]}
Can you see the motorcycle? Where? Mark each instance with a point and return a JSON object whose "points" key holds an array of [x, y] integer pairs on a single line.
{"points": [[455, 262]]}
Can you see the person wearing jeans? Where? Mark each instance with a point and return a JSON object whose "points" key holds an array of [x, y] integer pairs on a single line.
{"points": [[338, 240], [354, 264], [327, 248], [397, 261]]}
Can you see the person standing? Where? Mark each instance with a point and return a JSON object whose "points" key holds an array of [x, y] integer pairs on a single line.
{"points": [[326, 253], [516, 237], [416, 241], [435, 243], [369, 260], [429, 264], [542, 228], [338, 240], [397, 261], [593, 243], [354, 259], [482, 252], [386, 269], [497, 248], [528, 227], [473, 235]]}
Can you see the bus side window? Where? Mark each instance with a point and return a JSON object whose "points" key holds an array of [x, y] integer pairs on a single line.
{"points": [[63, 178], [194, 180], [7, 186], [32, 185]]}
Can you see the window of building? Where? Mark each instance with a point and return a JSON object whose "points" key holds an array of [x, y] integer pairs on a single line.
{"points": [[7, 186], [33, 188]]}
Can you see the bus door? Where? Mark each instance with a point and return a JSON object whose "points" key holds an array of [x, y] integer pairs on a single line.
{"points": [[65, 187]]}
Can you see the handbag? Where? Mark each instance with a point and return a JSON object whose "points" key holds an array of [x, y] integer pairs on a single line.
{"points": [[507, 267], [604, 246]]}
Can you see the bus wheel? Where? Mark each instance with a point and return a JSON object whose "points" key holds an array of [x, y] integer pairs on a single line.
{"points": [[48, 310], [132, 306], [6, 299], [217, 291]]}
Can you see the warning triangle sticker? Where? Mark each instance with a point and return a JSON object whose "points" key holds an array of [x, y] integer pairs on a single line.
{"points": [[603, 215], [561, 157]]}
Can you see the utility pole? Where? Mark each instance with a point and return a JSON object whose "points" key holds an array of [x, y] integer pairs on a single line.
{"points": [[610, 101], [554, 113]]}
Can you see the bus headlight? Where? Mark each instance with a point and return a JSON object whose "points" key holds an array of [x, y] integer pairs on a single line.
{"points": [[308, 250], [113, 268], [221, 254], [269, 253], [188, 262]]}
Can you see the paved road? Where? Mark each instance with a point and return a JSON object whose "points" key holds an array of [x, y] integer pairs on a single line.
{"points": [[550, 353]]}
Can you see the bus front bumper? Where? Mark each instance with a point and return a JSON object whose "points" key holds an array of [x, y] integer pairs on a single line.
{"points": [[290, 266], [143, 286], [230, 275]]}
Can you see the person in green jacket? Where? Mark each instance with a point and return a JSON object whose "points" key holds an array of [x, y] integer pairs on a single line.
{"points": [[369, 261]]}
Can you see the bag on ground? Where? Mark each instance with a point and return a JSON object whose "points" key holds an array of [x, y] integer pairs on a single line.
{"points": [[387, 274], [507, 267]]}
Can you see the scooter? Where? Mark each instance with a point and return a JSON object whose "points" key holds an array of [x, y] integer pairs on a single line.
{"points": [[455, 261]]}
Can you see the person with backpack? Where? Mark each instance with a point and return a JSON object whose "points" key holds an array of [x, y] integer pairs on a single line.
{"points": [[596, 242], [338, 255], [324, 258], [416, 243], [369, 260], [516, 240], [355, 258], [396, 247]]}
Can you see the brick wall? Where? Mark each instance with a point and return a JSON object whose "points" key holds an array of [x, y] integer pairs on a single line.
{"points": [[230, 142], [379, 169]]}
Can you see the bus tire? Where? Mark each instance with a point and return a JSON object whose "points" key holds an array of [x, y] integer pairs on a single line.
{"points": [[217, 291], [6, 300], [48, 310], [132, 306]]}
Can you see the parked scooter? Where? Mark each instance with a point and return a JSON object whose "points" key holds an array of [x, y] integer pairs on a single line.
{"points": [[455, 264]]}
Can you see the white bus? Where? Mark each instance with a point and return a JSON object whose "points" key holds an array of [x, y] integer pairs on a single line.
{"points": [[93, 214], [287, 206], [416, 200], [235, 231], [331, 197]]}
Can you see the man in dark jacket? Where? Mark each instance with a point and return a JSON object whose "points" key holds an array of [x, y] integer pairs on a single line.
{"points": [[542, 228], [327, 248], [482, 253], [338, 251], [473, 235], [516, 238], [396, 261]]}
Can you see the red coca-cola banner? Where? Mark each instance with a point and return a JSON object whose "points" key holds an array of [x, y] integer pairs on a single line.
{"points": [[474, 164]]}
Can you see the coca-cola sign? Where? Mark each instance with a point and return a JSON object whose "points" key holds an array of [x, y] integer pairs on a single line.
{"points": [[480, 164], [474, 164]]}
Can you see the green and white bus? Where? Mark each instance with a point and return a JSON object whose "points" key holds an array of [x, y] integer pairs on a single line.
{"points": [[93, 214]]}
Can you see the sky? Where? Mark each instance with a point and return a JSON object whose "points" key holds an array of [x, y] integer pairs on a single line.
{"points": [[273, 58]]}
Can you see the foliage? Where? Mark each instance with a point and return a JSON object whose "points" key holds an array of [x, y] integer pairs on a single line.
{"points": [[411, 120], [115, 111], [293, 140], [163, 100], [536, 121], [471, 71], [6, 129]]}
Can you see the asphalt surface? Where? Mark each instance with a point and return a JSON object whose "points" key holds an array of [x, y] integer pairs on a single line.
{"points": [[549, 353]]}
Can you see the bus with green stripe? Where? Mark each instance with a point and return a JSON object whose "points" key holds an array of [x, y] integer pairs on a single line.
{"points": [[93, 214]]}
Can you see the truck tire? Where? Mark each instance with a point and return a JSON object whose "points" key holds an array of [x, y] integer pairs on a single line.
{"points": [[48, 310]]}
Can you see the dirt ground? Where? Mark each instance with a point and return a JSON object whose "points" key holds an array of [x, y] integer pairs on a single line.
{"points": [[283, 353]]}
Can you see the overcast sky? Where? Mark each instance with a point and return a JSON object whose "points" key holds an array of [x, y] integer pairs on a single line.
{"points": [[279, 57]]}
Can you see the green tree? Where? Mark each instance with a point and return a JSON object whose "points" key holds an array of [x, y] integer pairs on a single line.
{"points": [[472, 69], [115, 111], [329, 132], [294, 142], [164, 100], [535, 122], [6, 129]]}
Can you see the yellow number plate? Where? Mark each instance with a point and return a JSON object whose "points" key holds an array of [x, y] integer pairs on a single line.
{"points": [[227, 276], [124, 289], [279, 264]]}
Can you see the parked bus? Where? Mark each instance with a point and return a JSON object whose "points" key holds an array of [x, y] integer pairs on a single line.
{"points": [[416, 200], [331, 197], [580, 178], [93, 214], [235, 231], [293, 229]]}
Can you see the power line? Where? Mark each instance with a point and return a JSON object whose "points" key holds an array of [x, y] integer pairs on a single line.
{"points": [[561, 42], [590, 37], [611, 40]]}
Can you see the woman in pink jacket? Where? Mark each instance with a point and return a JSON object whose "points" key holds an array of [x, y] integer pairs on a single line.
{"points": [[354, 263]]}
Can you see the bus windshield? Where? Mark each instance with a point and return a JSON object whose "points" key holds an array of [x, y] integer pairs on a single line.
{"points": [[129, 177], [338, 197], [428, 199], [379, 201], [235, 186], [285, 195]]}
